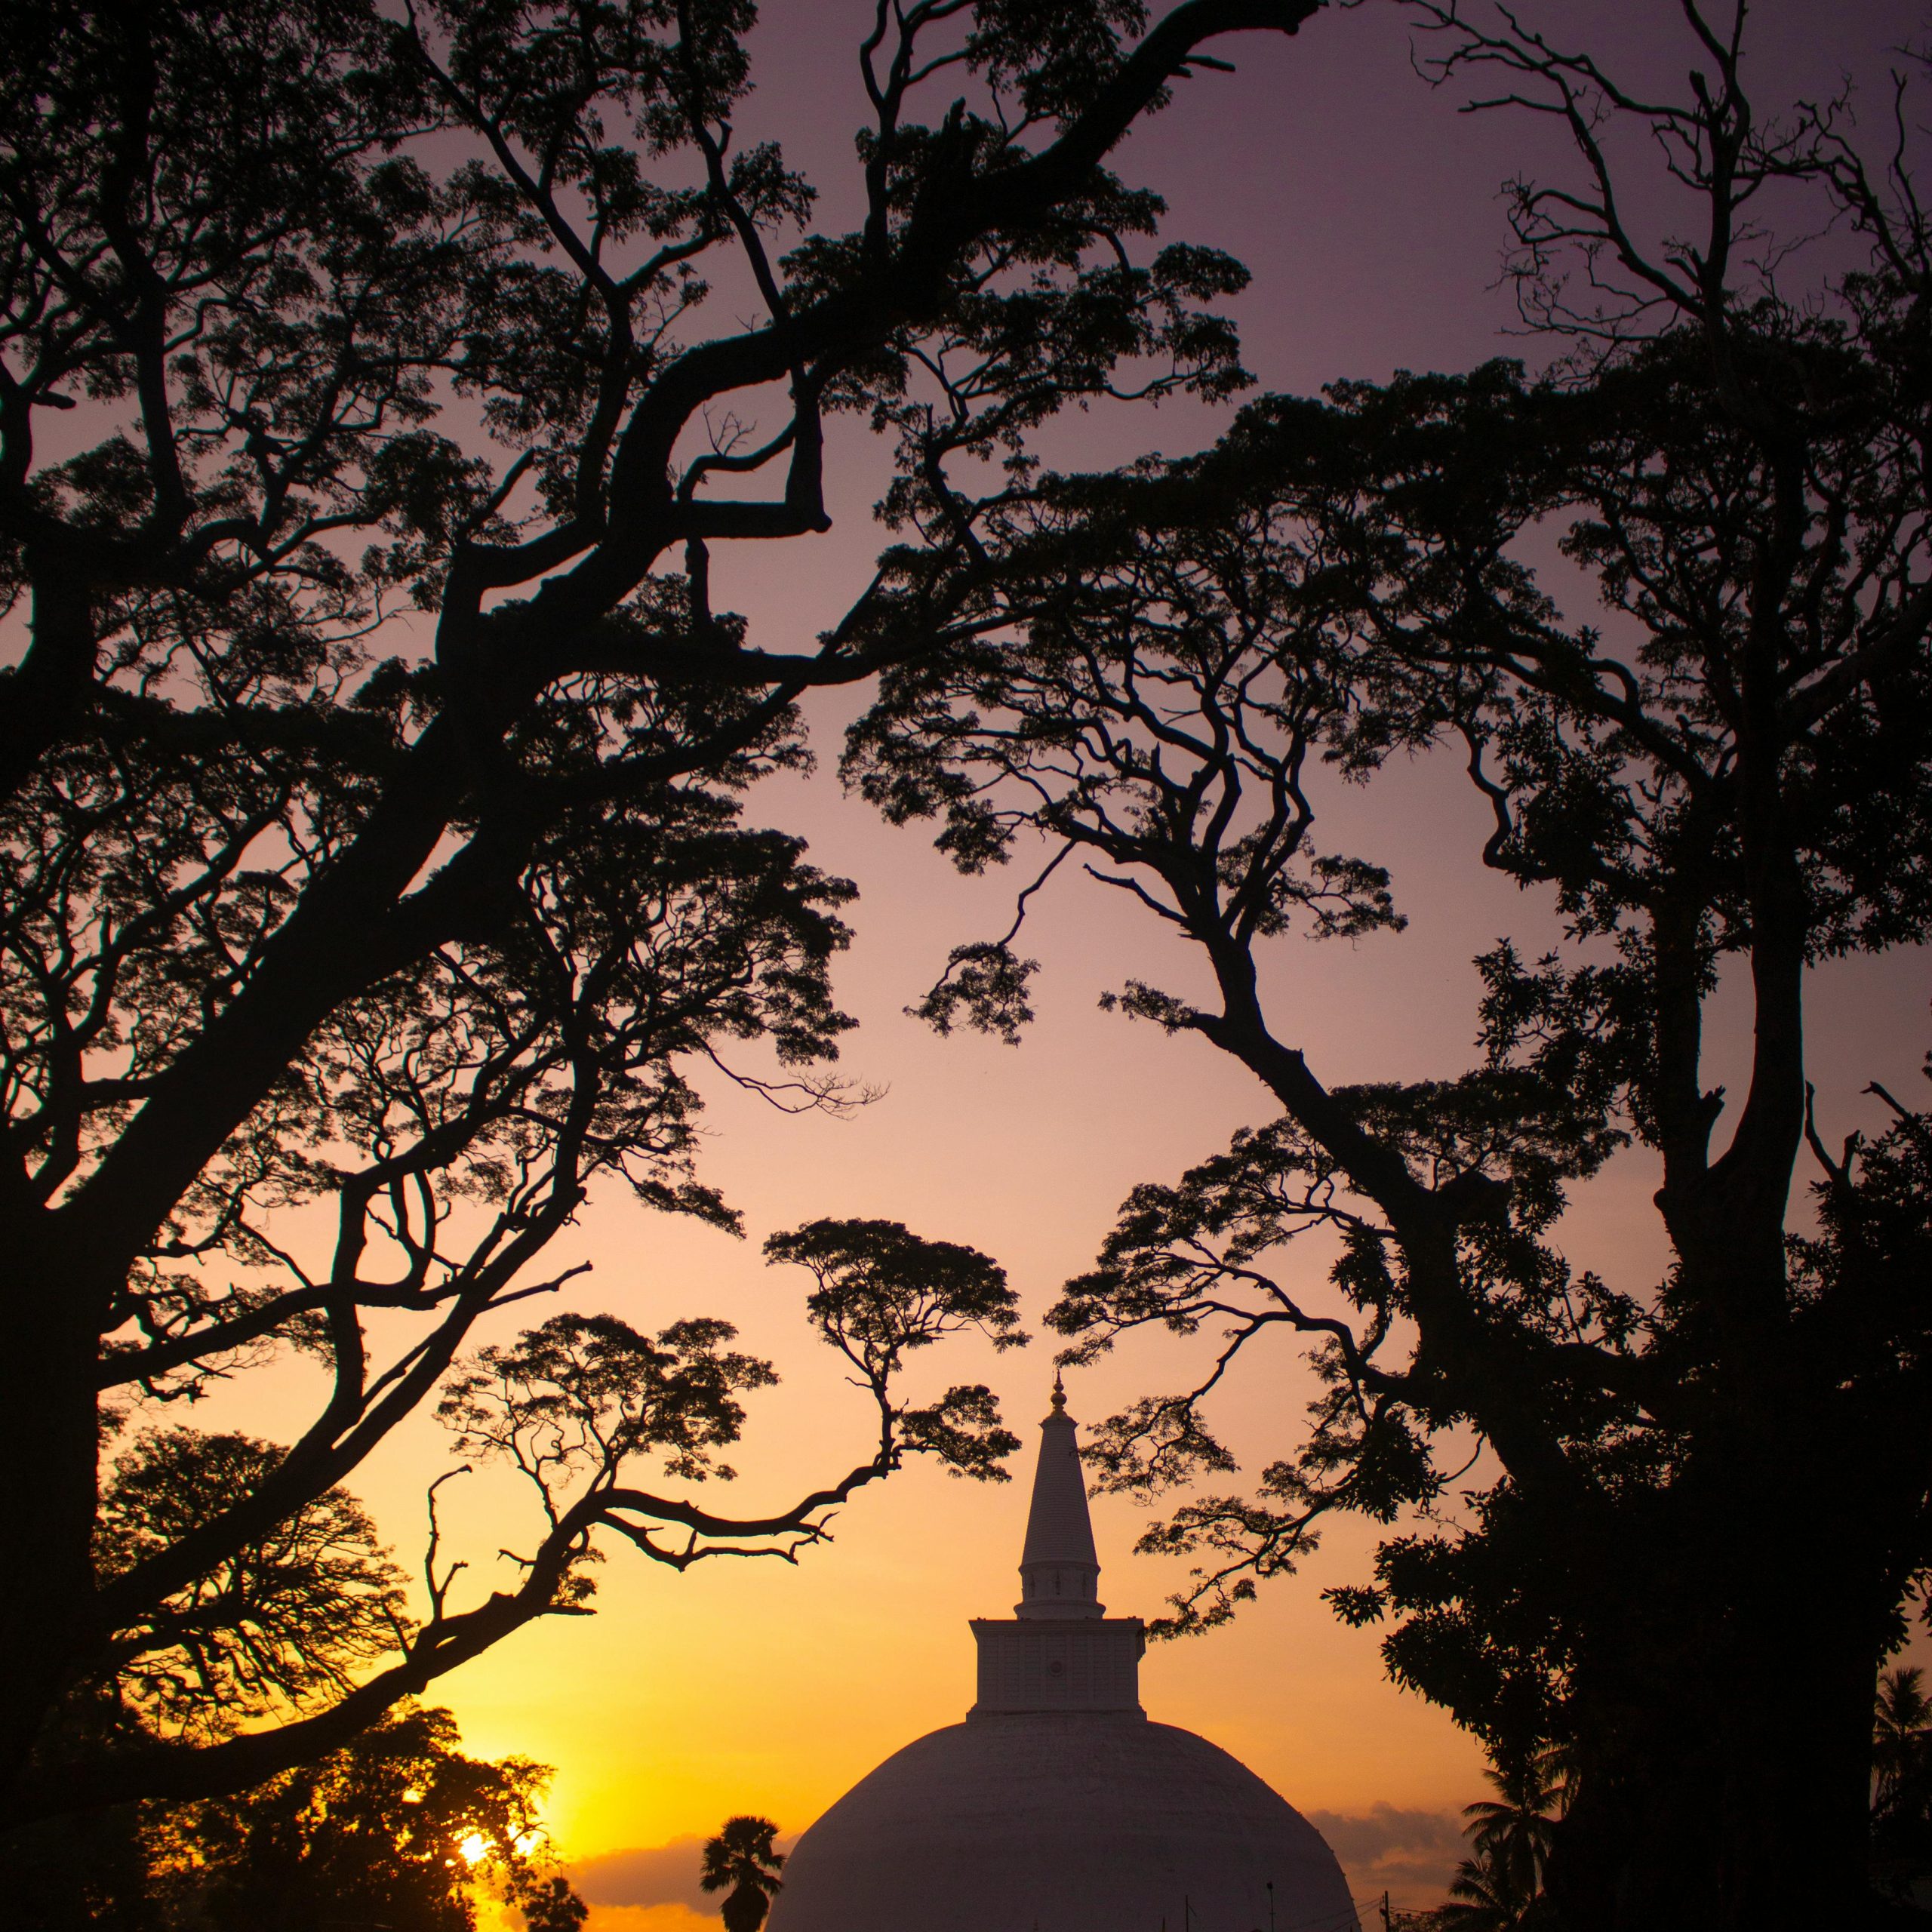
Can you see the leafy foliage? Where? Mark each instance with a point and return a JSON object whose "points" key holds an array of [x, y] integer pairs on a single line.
{"points": [[1901, 1782], [1901, 1733], [1499, 1887], [1726, 770], [882, 1293], [580, 1406], [287, 1621], [399, 1827], [588, 1388], [373, 878]]}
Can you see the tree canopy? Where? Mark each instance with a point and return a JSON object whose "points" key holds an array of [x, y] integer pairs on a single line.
{"points": [[373, 853], [379, 881], [1722, 774], [398, 1828]]}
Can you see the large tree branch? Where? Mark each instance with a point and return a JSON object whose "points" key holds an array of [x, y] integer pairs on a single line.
{"points": [[1505, 1401], [1885, 648], [909, 283], [444, 1643]]}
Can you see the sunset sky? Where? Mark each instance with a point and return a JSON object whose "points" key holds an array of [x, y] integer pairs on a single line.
{"points": [[1367, 207]]}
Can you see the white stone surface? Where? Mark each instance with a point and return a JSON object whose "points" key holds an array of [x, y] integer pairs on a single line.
{"points": [[1052, 1822]]}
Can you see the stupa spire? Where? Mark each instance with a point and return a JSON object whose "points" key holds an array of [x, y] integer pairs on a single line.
{"points": [[1060, 1574]]}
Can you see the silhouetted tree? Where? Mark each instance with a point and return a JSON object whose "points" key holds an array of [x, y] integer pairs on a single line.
{"points": [[1512, 1831], [397, 1829], [1901, 1741], [741, 1863], [1901, 1782], [348, 314], [1486, 1895], [1395, 1919], [583, 1407], [550, 1905], [290, 1617], [1729, 774]]}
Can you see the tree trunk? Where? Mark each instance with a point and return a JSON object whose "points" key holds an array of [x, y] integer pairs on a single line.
{"points": [[1792, 1820], [49, 1444], [1723, 1787]]}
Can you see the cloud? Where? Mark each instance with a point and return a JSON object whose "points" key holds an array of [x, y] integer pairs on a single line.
{"points": [[1374, 1834], [650, 1875], [654, 1888], [645, 1874], [1408, 1854], [647, 1919]]}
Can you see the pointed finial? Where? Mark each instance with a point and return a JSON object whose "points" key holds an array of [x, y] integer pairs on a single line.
{"points": [[1057, 1567]]}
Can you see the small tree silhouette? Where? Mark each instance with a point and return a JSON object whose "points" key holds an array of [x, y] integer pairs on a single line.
{"points": [[1513, 1830], [1901, 1738], [1486, 1896], [1496, 1888], [743, 1856]]}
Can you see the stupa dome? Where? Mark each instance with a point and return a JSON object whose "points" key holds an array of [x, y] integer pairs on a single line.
{"points": [[1056, 1806]]}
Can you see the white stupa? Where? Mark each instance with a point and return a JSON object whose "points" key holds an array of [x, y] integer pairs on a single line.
{"points": [[1056, 1806]]}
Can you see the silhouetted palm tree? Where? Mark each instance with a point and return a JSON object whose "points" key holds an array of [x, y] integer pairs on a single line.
{"points": [[1495, 1889], [743, 1857], [1486, 1895], [1512, 1830], [1901, 1736]]}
